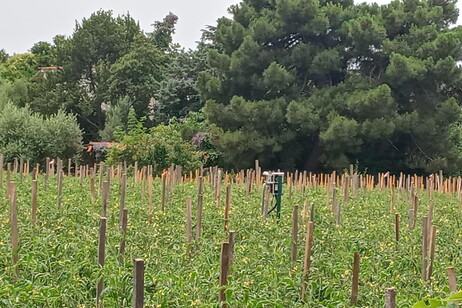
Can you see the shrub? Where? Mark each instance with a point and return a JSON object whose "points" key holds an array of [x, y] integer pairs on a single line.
{"points": [[29, 135]]}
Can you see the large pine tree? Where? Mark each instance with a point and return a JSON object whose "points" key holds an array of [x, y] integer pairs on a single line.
{"points": [[320, 84]]}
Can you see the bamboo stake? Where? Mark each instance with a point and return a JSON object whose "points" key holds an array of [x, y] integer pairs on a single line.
{"points": [[34, 202], [307, 261], [138, 284], [355, 282], [293, 255]]}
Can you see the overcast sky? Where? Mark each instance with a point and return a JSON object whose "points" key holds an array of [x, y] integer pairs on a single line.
{"points": [[25, 22]]}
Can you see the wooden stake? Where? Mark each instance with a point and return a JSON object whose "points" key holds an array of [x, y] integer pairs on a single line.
{"points": [[188, 227], [21, 169], [411, 219], [337, 216], [355, 282], [1, 170], [452, 279], [123, 189], [390, 298], [424, 247], [101, 255], [14, 227], [138, 284], [227, 206], [293, 254], [164, 181], [92, 188], [124, 224], [430, 214], [224, 262], [135, 172], [60, 189], [392, 198], [312, 212], [431, 253], [396, 227], [232, 241], [151, 207], [306, 260], [104, 198], [199, 208], [34, 202]]}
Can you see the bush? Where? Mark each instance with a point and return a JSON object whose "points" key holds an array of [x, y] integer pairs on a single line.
{"points": [[29, 135], [161, 147]]}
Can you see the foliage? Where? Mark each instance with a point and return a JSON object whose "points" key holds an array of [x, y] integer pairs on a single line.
{"points": [[450, 302], [58, 257], [19, 66], [29, 135], [161, 147], [116, 118], [45, 54], [161, 37], [319, 85], [196, 130], [177, 94], [3, 56]]}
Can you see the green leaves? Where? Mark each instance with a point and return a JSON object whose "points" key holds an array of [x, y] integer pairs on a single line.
{"points": [[449, 302]]}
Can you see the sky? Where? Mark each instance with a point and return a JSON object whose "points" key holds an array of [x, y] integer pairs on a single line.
{"points": [[25, 22]]}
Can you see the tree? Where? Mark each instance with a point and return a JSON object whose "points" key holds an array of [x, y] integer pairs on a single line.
{"points": [[319, 85], [161, 37], [19, 66], [136, 75], [177, 94], [3, 56], [45, 54]]}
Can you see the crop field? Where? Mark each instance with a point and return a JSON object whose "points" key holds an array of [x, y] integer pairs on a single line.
{"points": [[58, 260]]}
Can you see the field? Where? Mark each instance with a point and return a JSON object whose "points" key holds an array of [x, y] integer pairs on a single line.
{"points": [[58, 256]]}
